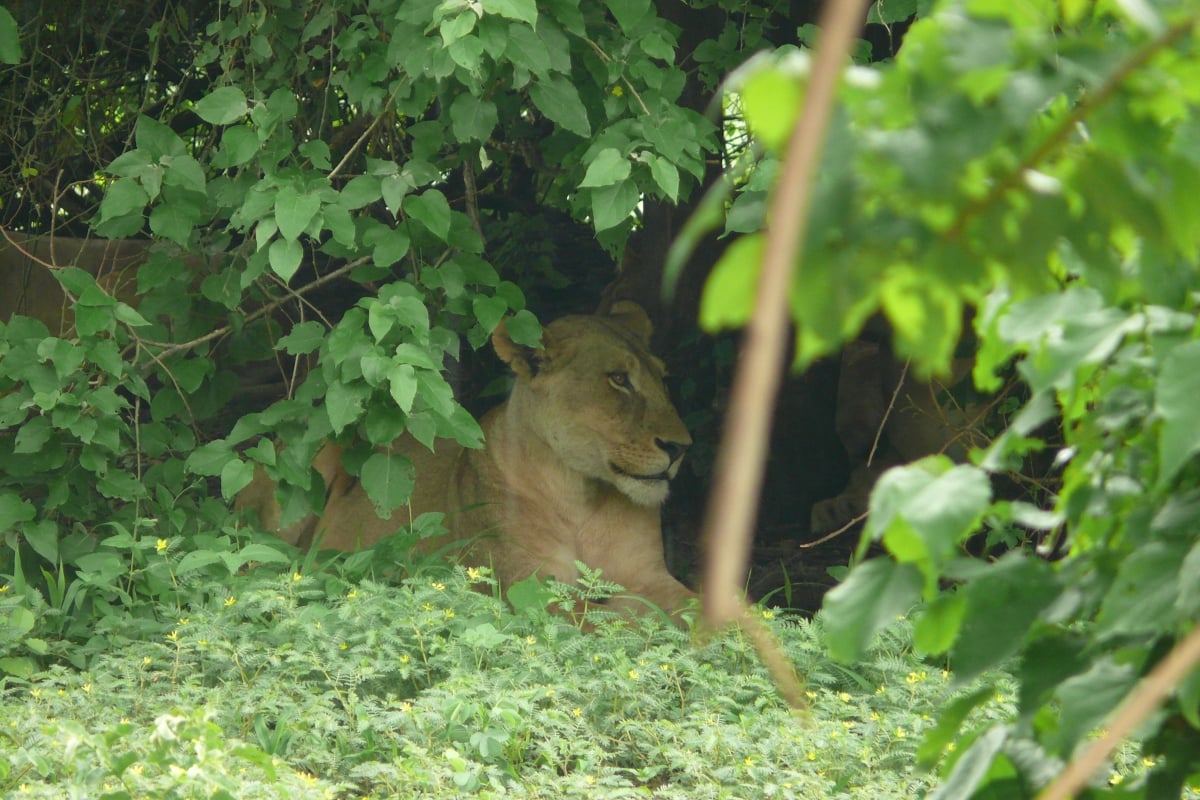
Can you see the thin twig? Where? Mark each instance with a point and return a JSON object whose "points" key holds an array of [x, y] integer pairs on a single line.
{"points": [[887, 413], [1139, 704], [739, 470]]}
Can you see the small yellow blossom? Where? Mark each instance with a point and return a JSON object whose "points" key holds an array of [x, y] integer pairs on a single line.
{"points": [[748, 761], [173, 636], [617, 91], [634, 675], [881, 690], [549, 693], [844, 697], [146, 661], [874, 716], [184, 620], [441, 587], [296, 576], [404, 659], [87, 688], [428, 607], [530, 640], [353, 593], [577, 711], [1149, 761], [901, 733], [1116, 779], [449, 613], [4, 588], [590, 780], [916, 677], [36, 694], [847, 724], [473, 574], [810, 755], [344, 646], [406, 706], [229, 601], [768, 614], [810, 694], [665, 667], [161, 545]]}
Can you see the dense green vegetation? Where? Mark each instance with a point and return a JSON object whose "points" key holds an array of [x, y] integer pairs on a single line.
{"points": [[1018, 185]]}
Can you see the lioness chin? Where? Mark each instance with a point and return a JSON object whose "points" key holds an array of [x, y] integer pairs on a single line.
{"points": [[575, 465]]}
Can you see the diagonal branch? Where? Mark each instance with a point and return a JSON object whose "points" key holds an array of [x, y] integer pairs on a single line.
{"points": [[739, 469]]}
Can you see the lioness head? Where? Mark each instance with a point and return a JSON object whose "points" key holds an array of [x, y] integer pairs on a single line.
{"points": [[594, 394]]}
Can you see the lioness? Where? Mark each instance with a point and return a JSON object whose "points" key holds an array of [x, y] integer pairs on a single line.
{"points": [[575, 467]]}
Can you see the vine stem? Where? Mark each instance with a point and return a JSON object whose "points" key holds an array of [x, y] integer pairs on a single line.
{"points": [[740, 462], [1140, 703]]}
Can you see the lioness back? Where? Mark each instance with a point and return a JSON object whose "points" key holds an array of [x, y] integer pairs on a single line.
{"points": [[575, 467]]}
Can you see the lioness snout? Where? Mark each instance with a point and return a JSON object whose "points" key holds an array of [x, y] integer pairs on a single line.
{"points": [[674, 450]]}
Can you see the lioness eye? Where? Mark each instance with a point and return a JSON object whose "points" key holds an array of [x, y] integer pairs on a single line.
{"points": [[619, 379]]}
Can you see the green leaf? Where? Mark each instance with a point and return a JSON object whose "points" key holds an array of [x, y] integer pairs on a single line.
{"points": [[285, 257], [558, 99], [14, 510], [235, 476], [305, 337], [10, 38], [124, 196], [390, 247], [1002, 604], [874, 595], [472, 119], [771, 99], [431, 209], [388, 482], [1176, 402], [520, 10], [157, 139], [42, 536], [613, 205], [489, 311], [949, 720], [666, 175], [294, 211], [1142, 598], [938, 624], [609, 167], [628, 13], [524, 329], [1088, 699], [223, 106], [728, 299], [344, 404], [402, 384], [972, 767]]}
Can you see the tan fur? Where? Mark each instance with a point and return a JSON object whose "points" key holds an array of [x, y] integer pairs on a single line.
{"points": [[575, 467]]}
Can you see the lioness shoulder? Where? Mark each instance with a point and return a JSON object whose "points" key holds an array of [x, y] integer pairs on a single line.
{"points": [[575, 466]]}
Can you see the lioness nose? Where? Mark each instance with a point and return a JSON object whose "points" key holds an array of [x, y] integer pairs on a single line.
{"points": [[674, 450]]}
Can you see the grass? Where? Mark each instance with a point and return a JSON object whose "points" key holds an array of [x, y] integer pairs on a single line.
{"points": [[282, 685]]}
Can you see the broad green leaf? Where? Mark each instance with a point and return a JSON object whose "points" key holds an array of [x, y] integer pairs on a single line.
{"points": [[874, 595], [14, 510], [402, 384], [157, 139], [394, 189], [972, 767], [1002, 604], [456, 27], [728, 299], [124, 196], [431, 209], [1088, 699], [390, 247], [521, 10], [172, 221], [294, 211], [489, 311], [607, 168], [223, 106], [360, 191], [613, 205], [1142, 598], [665, 175], [19, 622], [10, 39], [261, 554], [388, 482], [557, 98], [524, 329], [886, 12], [1177, 402], [42, 536], [472, 119], [628, 13], [285, 257], [210, 459], [235, 476], [771, 100], [305, 337], [949, 720], [344, 404], [938, 624]]}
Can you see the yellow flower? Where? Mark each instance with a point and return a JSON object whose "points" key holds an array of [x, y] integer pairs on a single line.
{"points": [[473, 574], [449, 612], [4, 588], [229, 601], [901, 733], [748, 761], [634, 675], [577, 711], [665, 667], [404, 659], [549, 693], [36, 694], [768, 614], [161, 545], [173, 636], [916, 677], [344, 646], [87, 688], [844, 697], [296, 576], [441, 587], [618, 91], [353, 593]]}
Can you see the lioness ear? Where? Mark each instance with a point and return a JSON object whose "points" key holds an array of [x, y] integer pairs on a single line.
{"points": [[634, 317], [524, 360]]}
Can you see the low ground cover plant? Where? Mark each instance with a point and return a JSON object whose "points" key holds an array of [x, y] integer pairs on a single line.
{"points": [[285, 684]]}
